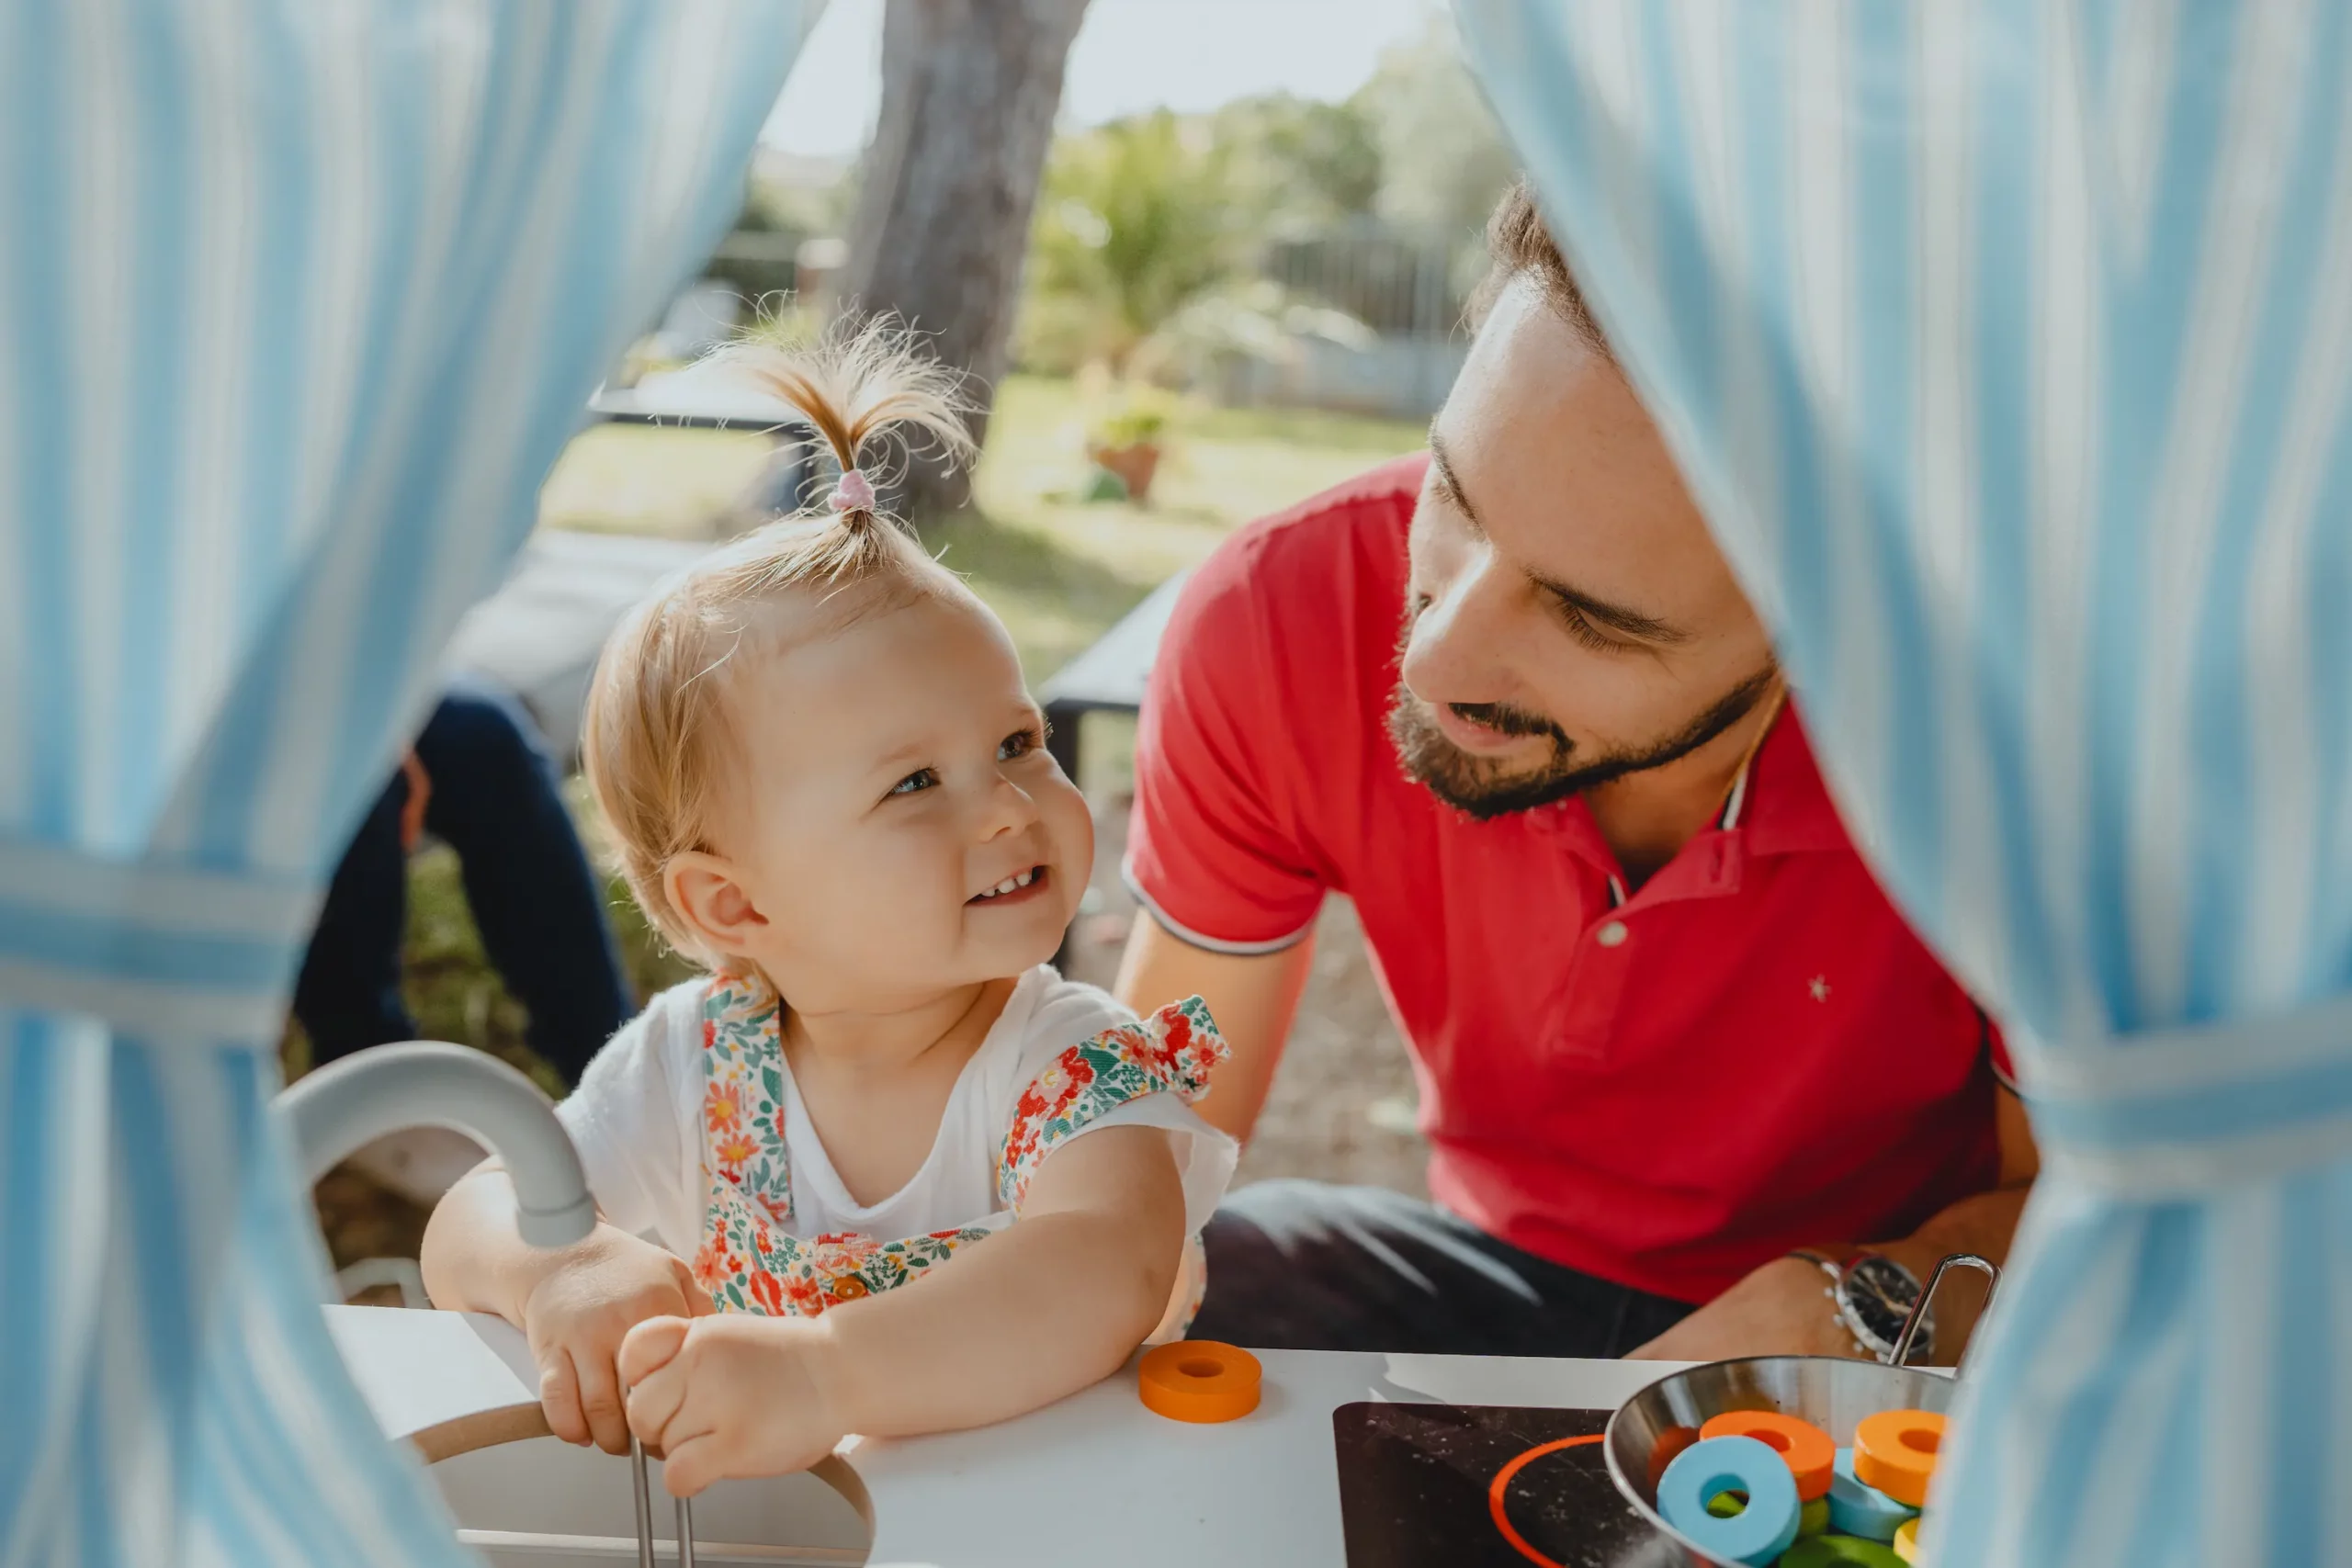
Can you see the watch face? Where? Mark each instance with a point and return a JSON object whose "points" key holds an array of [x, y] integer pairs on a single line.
{"points": [[1878, 1295]]}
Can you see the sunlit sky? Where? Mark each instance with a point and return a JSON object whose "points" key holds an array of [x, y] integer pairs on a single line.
{"points": [[1130, 55]]}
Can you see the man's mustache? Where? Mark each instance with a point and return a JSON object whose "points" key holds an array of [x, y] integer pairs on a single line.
{"points": [[1499, 717], [1510, 720]]}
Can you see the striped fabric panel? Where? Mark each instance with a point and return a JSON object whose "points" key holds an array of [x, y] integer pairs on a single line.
{"points": [[298, 300], [2008, 349]]}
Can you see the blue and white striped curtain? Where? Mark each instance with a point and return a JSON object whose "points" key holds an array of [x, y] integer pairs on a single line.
{"points": [[2008, 348], [298, 300]]}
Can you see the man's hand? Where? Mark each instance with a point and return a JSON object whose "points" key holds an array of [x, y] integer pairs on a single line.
{"points": [[1781, 1309], [732, 1396], [576, 1316]]}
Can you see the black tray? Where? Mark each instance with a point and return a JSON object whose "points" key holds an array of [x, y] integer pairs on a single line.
{"points": [[1417, 1489]]}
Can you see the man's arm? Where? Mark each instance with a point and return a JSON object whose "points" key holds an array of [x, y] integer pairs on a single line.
{"points": [[1252, 996], [1779, 1309]]}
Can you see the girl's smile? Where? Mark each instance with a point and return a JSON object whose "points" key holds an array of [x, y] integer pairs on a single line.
{"points": [[1022, 887]]}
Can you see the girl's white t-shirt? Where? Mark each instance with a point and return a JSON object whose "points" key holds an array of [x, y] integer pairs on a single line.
{"points": [[637, 1121]]}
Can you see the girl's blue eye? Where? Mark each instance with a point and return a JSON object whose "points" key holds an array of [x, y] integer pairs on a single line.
{"points": [[920, 779]]}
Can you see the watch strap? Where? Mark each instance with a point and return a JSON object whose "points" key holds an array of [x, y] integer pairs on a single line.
{"points": [[1835, 1271]]}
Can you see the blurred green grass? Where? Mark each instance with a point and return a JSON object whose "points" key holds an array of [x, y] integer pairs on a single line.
{"points": [[1059, 571]]}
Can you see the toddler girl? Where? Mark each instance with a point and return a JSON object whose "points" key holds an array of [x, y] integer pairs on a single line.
{"points": [[828, 784]]}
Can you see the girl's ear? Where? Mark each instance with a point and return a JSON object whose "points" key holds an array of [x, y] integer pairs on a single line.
{"points": [[715, 906]]}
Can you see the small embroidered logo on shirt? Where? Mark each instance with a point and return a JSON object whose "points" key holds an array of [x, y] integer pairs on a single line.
{"points": [[1819, 988]]}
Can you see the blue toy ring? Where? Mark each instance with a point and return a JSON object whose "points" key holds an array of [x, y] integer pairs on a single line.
{"points": [[1713, 1466], [1857, 1508]]}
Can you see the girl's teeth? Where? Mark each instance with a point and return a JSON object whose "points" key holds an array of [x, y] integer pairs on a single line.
{"points": [[1011, 883]]}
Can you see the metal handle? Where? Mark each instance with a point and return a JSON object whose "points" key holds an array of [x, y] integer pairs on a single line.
{"points": [[1918, 1315]]}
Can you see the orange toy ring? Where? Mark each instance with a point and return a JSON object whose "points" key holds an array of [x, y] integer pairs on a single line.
{"points": [[1894, 1451], [1501, 1485], [1811, 1458], [1666, 1448], [1199, 1380]]}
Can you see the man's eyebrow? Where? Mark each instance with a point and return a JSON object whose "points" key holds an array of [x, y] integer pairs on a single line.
{"points": [[1616, 618], [1443, 466]]}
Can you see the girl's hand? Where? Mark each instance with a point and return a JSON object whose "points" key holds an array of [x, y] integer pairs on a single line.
{"points": [[576, 1316], [732, 1396]]}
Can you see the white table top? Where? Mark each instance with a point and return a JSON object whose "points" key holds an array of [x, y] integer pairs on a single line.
{"points": [[1053, 1487]]}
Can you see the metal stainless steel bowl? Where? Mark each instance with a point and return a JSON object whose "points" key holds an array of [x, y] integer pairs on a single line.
{"points": [[1833, 1395]]}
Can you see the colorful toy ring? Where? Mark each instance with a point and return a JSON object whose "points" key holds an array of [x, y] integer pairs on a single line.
{"points": [[1670, 1443], [1894, 1451], [1199, 1380], [1839, 1551], [1713, 1466], [1907, 1541], [1857, 1508], [1811, 1457]]}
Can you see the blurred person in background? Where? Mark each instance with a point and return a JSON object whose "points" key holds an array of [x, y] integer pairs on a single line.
{"points": [[479, 779]]}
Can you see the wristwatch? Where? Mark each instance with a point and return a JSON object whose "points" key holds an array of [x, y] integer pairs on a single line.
{"points": [[1871, 1294]]}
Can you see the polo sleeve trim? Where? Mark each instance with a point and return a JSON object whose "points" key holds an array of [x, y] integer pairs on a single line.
{"points": [[1995, 1056], [1207, 943]]}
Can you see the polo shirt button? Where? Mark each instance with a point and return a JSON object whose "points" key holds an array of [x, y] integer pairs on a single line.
{"points": [[1614, 934]]}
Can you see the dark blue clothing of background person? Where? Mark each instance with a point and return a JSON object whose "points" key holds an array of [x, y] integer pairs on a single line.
{"points": [[491, 796]]}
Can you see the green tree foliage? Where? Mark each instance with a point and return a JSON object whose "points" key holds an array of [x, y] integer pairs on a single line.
{"points": [[1135, 219], [1443, 162], [1146, 237], [1153, 238], [1297, 164]]}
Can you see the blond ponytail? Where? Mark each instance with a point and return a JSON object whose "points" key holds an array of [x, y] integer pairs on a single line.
{"points": [[862, 383], [655, 738]]}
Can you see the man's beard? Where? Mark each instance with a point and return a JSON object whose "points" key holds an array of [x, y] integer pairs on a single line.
{"points": [[1486, 789]]}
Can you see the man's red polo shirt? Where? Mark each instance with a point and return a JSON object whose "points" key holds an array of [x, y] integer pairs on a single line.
{"points": [[1751, 1053]]}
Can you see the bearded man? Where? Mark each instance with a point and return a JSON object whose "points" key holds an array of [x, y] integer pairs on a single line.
{"points": [[1693, 1089]]}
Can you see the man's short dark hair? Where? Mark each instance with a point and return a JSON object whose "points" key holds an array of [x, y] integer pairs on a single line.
{"points": [[1517, 243]]}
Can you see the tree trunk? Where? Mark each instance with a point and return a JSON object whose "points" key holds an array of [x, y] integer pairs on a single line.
{"points": [[970, 90]]}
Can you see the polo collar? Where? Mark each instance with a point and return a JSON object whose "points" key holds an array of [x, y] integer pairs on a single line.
{"points": [[1777, 806], [1780, 804]]}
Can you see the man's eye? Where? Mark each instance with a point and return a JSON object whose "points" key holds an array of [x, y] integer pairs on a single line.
{"points": [[920, 779], [1019, 744], [1581, 627]]}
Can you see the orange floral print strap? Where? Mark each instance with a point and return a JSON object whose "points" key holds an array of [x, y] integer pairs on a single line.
{"points": [[749, 1260], [748, 1265], [742, 1099], [1171, 1052]]}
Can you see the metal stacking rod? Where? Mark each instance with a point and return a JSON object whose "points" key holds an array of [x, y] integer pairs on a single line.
{"points": [[1902, 1352], [684, 1513], [643, 1489]]}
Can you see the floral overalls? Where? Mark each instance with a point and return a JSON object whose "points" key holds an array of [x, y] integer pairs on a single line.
{"points": [[748, 1262]]}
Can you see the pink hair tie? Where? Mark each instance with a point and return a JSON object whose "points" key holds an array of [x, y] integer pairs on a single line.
{"points": [[854, 493]]}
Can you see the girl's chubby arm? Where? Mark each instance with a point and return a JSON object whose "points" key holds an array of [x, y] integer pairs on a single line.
{"points": [[575, 1303], [1037, 1311]]}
